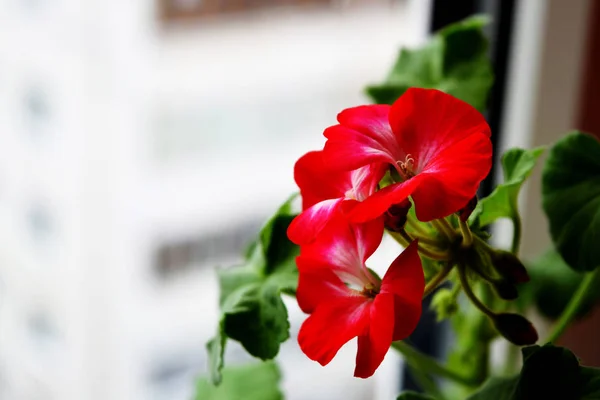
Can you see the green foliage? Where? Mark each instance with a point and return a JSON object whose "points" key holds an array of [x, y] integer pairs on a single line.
{"points": [[454, 61], [252, 311], [553, 284], [496, 388], [216, 352], [548, 372], [248, 382], [571, 199], [444, 303], [473, 333], [517, 165], [410, 395]]}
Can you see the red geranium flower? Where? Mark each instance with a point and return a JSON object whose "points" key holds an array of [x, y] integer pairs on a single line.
{"points": [[346, 300], [324, 191], [439, 149]]}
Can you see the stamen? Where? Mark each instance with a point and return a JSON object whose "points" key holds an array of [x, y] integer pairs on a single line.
{"points": [[407, 166], [370, 291]]}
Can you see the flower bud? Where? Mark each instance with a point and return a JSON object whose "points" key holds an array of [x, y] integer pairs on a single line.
{"points": [[516, 329], [466, 211], [506, 290], [510, 267], [395, 217]]}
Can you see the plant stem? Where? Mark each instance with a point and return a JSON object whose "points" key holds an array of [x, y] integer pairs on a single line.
{"points": [[437, 279], [428, 364], [416, 226], [573, 307], [469, 292], [517, 231], [399, 238], [404, 239], [427, 240], [445, 228], [467, 236], [489, 249], [434, 255]]}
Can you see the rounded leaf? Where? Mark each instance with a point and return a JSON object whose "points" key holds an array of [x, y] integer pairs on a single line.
{"points": [[571, 199]]}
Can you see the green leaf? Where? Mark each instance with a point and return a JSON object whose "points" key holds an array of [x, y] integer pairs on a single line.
{"points": [[454, 60], [571, 199], [260, 321], [552, 285], [590, 379], [249, 382], [252, 311], [517, 165], [496, 389], [548, 372], [234, 278], [410, 395], [278, 251], [216, 351]]}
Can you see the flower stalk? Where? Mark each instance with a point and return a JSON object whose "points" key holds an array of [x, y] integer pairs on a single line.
{"points": [[437, 280], [428, 364], [573, 307], [467, 236]]}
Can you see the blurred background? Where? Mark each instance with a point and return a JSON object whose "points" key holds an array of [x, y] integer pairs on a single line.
{"points": [[144, 142]]}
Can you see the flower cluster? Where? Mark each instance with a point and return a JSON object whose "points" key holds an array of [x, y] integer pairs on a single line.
{"points": [[428, 147]]}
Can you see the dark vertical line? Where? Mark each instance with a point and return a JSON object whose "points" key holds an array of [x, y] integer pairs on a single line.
{"points": [[500, 44]]}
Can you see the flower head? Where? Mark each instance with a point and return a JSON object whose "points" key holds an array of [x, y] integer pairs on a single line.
{"points": [[346, 300], [437, 148]]}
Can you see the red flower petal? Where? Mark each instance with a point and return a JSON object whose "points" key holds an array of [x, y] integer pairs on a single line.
{"points": [[323, 190], [380, 201], [345, 247], [305, 227], [364, 181], [454, 176], [316, 182], [428, 121], [332, 325], [375, 343], [363, 136], [317, 284], [447, 139], [405, 280]]}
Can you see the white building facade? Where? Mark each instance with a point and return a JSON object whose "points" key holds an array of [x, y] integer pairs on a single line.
{"points": [[137, 154]]}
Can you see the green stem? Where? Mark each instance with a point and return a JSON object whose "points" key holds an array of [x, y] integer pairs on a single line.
{"points": [[469, 292], [399, 238], [416, 226], [434, 255], [405, 240], [427, 240], [445, 228], [517, 232], [428, 364], [467, 236], [437, 279], [573, 307], [484, 245]]}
